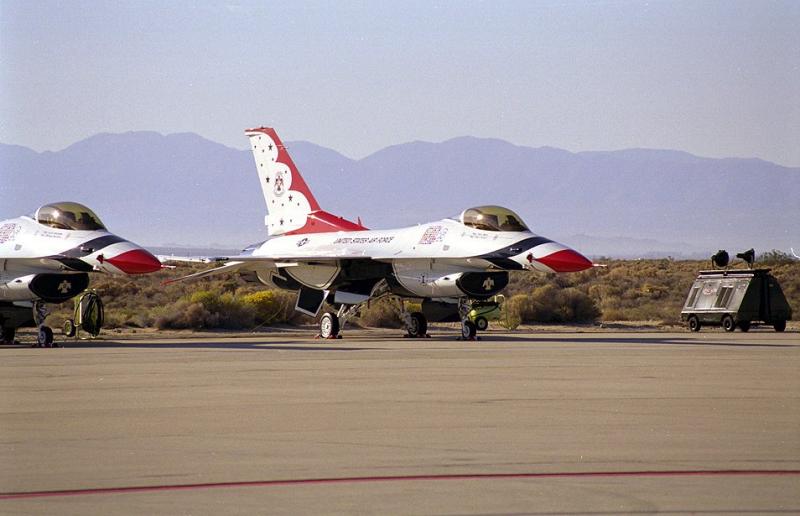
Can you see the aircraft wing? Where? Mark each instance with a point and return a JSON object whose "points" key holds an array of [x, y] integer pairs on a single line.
{"points": [[228, 267], [235, 264], [58, 263]]}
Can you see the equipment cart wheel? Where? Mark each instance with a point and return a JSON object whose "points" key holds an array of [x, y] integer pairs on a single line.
{"points": [[69, 328], [329, 326], [694, 323], [728, 324], [481, 323], [744, 325], [779, 325], [418, 326]]}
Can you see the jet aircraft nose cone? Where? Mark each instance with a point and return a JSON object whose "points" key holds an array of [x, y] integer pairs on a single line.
{"points": [[566, 260], [136, 261]]}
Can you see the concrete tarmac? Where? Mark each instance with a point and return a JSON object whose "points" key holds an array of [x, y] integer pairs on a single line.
{"points": [[542, 423]]}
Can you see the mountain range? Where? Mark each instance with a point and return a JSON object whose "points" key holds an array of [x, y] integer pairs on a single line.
{"points": [[182, 190]]}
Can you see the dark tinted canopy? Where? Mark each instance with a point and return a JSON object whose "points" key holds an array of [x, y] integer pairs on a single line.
{"points": [[68, 215], [492, 218]]}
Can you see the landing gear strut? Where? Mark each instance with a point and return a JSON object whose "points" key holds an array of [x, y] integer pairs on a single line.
{"points": [[415, 323], [332, 323], [44, 337], [468, 329]]}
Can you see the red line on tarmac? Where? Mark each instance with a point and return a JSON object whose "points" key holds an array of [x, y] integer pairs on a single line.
{"points": [[398, 478]]}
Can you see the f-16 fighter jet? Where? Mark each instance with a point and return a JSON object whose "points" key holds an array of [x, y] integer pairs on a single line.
{"points": [[331, 261], [47, 258]]}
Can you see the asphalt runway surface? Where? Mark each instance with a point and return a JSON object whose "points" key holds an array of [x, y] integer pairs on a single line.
{"points": [[541, 423]]}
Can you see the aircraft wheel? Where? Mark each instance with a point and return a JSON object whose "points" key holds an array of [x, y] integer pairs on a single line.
{"points": [[728, 323], [69, 328], [329, 326], [8, 335], [744, 325], [45, 337], [481, 323], [468, 330], [419, 325], [779, 325], [694, 323]]}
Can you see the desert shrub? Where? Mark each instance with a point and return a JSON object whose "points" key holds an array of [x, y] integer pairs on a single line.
{"points": [[551, 304], [185, 314], [205, 309], [383, 313], [775, 257], [270, 306]]}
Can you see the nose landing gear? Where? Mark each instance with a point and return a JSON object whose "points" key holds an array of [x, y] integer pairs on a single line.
{"points": [[44, 335], [468, 329]]}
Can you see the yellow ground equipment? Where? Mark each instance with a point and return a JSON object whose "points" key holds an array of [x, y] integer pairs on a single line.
{"points": [[88, 316]]}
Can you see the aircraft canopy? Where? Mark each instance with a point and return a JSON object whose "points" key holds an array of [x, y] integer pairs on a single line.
{"points": [[68, 215], [492, 218]]}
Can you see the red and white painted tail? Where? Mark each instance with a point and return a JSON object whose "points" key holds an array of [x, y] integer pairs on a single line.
{"points": [[291, 207]]}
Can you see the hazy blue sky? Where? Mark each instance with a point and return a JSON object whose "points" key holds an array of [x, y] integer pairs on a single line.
{"points": [[712, 78]]}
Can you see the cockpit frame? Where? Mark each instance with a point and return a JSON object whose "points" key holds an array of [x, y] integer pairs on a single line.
{"points": [[67, 215], [492, 218]]}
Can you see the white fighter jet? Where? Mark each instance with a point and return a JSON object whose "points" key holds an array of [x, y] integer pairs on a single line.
{"points": [[46, 258], [447, 264]]}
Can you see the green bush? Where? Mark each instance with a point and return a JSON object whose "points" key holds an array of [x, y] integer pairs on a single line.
{"points": [[270, 306]]}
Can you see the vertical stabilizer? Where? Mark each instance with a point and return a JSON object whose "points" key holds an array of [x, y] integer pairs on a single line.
{"points": [[289, 201], [291, 207]]}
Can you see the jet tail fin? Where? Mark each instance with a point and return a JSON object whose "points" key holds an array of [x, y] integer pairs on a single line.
{"points": [[291, 207]]}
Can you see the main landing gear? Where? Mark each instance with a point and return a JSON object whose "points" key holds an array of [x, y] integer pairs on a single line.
{"points": [[415, 323], [331, 323]]}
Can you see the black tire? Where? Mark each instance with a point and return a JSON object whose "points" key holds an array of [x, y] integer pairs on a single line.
{"points": [[69, 328], [779, 325], [8, 335], [694, 323], [728, 324], [744, 326], [468, 330], [419, 325], [481, 323], [45, 337], [329, 326]]}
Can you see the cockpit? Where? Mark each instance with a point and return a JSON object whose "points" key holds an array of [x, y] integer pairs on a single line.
{"points": [[68, 215], [492, 218]]}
